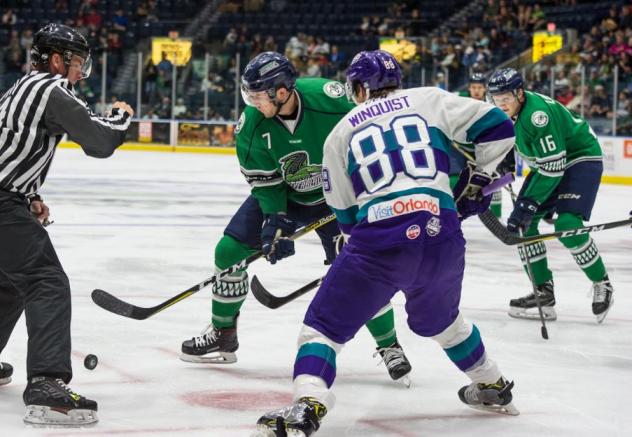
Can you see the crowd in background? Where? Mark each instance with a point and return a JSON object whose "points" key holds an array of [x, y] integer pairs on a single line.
{"points": [[443, 58]]}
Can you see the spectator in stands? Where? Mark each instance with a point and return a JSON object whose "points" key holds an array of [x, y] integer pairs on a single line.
{"points": [[179, 108], [93, 18], [81, 27], [151, 76], [26, 40], [625, 124], [270, 45], [623, 102], [150, 115], [84, 8], [565, 95], [313, 68], [230, 41], [321, 47], [9, 19], [163, 110], [599, 104], [524, 14], [625, 66], [537, 20], [120, 22], [619, 45], [414, 24], [165, 65], [142, 10]]}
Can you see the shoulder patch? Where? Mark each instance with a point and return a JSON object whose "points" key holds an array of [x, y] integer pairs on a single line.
{"points": [[334, 89], [539, 119], [240, 122]]}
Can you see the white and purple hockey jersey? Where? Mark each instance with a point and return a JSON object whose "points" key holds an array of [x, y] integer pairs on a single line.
{"points": [[385, 165]]}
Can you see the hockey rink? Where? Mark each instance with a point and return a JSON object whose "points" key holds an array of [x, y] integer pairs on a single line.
{"points": [[143, 226]]}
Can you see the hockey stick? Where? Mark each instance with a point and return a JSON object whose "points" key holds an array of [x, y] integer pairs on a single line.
{"points": [[271, 301], [543, 330], [500, 231], [115, 305]]}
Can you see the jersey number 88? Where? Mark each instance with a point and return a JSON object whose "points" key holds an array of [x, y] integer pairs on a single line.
{"points": [[370, 151]]}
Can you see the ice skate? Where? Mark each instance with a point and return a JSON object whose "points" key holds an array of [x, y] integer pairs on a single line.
{"points": [[6, 370], [300, 419], [527, 308], [50, 402], [602, 298], [214, 345], [495, 397], [396, 363]]}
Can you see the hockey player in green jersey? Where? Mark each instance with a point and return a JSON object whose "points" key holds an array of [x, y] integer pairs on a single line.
{"points": [[565, 163], [460, 154], [279, 138]]}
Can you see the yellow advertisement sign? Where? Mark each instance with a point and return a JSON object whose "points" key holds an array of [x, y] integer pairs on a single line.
{"points": [[402, 49], [178, 51], [545, 43]]}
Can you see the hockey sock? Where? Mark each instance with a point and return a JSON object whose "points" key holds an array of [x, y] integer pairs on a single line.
{"points": [[462, 342], [229, 293], [382, 327], [582, 247], [537, 255], [496, 205], [316, 356]]}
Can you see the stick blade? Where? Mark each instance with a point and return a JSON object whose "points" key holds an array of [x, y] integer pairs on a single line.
{"points": [[115, 305], [262, 295]]}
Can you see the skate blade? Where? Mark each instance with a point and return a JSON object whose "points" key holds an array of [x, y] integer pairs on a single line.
{"points": [[600, 317], [5, 381], [405, 381], [212, 358], [508, 409], [264, 431], [533, 314], [42, 416]]}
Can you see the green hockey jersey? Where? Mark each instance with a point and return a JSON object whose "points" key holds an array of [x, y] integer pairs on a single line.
{"points": [[283, 162], [551, 138]]}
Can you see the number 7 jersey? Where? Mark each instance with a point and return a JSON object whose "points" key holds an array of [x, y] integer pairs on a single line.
{"points": [[385, 165]]}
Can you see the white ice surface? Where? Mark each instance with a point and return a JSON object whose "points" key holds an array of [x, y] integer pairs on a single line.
{"points": [[143, 226]]}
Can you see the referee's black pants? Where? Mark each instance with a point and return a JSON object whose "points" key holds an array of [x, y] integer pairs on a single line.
{"points": [[32, 280]]}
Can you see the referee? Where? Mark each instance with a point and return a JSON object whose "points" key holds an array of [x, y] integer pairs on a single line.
{"points": [[34, 115]]}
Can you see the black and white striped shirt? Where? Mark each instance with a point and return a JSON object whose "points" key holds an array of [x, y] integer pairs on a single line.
{"points": [[34, 115]]}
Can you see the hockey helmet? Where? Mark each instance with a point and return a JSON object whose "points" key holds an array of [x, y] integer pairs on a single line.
{"points": [[478, 78], [267, 72], [57, 38], [505, 80], [373, 70]]}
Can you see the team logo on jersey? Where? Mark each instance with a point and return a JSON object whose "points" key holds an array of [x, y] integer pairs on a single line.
{"points": [[539, 119], [403, 205], [433, 226], [240, 122], [413, 232], [334, 89], [299, 174]]}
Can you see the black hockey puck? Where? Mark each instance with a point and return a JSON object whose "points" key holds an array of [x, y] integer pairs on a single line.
{"points": [[90, 362]]}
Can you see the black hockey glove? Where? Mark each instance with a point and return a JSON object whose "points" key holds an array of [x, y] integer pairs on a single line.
{"points": [[467, 192], [508, 164], [274, 242], [522, 215]]}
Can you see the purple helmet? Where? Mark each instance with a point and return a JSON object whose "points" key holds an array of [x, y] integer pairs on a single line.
{"points": [[373, 70]]}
